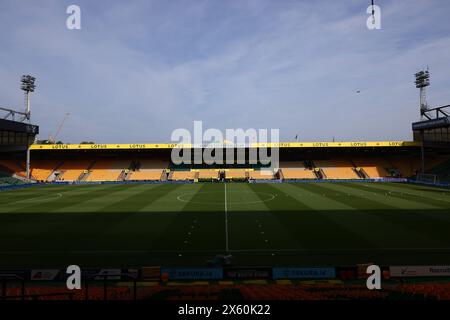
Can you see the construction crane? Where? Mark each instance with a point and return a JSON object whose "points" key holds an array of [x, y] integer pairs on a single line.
{"points": [[52, 137]]}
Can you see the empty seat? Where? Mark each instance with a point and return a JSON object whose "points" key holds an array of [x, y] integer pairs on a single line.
{"points": [[42, 169], [208, 174], [235, 174], [183, 175], [337, 169], [289, 173], [373, 167], [71, 170], [107, 170], [142, 175], [261, 175]]}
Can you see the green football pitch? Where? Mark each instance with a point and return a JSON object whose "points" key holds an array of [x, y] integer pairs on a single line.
{"points": [[303, 224]]}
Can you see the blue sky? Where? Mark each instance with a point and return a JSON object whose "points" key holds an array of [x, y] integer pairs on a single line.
{"points": [[137, 70]]}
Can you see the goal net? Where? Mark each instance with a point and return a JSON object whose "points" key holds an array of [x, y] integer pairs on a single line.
{"points": [[427, 178]]}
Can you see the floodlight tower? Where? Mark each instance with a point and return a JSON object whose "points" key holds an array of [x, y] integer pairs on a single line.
{"points": [[28, 86], [422, 82]]}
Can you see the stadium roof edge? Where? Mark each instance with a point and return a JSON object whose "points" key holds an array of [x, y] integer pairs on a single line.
{"points": [[352, 144]]}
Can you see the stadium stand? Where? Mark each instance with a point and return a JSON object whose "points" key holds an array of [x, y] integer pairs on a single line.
{"points": [[107, 170], [146, 170], [336, 169], [305, 290], [236, 174], [372, 167], [298, 174], [409, 166], [295, 170], [406, 167], [143, 175], [62, 164], [57, 293], [208, 174], [291, 173], [72, 170], [442, 170], [13, 167], [259, 175], [7, 180], [439, 291], [155, 169], [182, 175], [42, 169]]}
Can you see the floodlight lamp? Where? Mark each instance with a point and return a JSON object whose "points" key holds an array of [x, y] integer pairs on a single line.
{"points": [[27, 83]]}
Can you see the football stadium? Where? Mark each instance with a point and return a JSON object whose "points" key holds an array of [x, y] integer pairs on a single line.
{"points": [[141, 225], [129, 206], [126, 206]]}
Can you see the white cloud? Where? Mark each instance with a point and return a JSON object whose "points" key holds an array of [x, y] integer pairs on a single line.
{"points": [[138, 70]]}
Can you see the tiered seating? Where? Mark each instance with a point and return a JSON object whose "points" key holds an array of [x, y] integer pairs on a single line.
{"points": [[442, 171], [295, 170], [305, 290], [440, 291], [336, 169], [71, 170], [102, 168], [196, 293], [235, 174], [373, 167], [435, 162], [42, 169], [152, 175], [40, 174], [208, 174], [258, 175], [408, 167], [60, 293], [281, 292], [103, 175], [314, 291], [183, 175], [13, 167], [107, 170], [148, 169], [290, 173], [7, 180]]}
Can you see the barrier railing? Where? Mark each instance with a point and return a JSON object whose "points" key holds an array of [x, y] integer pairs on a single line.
{"points": [[18, 186]]}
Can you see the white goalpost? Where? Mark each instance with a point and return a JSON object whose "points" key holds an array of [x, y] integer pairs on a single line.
{"points": [[427, 178]]}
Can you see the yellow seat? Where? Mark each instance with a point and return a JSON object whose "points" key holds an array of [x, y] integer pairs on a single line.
{"points": [[183, 175]]}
